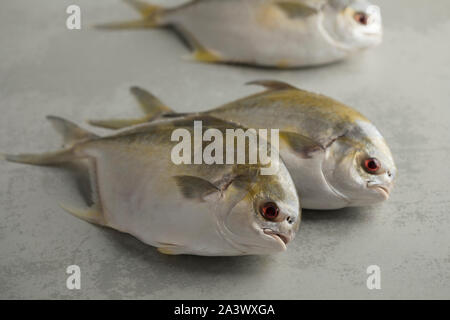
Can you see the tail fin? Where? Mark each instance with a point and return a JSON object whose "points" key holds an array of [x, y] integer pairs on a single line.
{"points": [[71, 134], [43, 159], [151, 105], [150, 17]]}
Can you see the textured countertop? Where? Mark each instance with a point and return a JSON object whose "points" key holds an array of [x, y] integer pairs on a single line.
{"points": [[403, 86]]}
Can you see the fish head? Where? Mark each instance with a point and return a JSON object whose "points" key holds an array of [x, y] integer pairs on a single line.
{"points": [[267, 217], [358, 25], [360, 168]]}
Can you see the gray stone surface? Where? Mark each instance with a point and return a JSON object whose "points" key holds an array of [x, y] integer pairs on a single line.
{"points": [[403, 86]]}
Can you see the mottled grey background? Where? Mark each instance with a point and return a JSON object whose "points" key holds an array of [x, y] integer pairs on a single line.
{"points": [[403, 86]]}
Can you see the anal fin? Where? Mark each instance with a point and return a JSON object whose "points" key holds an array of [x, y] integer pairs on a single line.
{"points": [[91, 214], [87, 178]]}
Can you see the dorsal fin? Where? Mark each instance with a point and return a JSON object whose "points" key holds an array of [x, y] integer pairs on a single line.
{"points": [[148, 102], [272, 84]]}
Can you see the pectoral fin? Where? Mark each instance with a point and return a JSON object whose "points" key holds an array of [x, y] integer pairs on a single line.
{"points": [[300, 144], [195, 188], [296, 9]]}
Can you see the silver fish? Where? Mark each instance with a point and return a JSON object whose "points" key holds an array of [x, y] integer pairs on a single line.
{"points": [[336, 156], [210, 210], [274, 33]]}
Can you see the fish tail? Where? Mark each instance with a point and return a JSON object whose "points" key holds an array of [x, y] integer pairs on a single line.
{"points": [[42, 159], [70, 157], [151, 17], [71, 134]]}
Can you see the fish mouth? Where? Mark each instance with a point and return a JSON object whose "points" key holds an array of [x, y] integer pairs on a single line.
{"points": [[281, 238], [382, 190]]}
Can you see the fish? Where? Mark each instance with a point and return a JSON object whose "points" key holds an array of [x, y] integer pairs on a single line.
{"points": [[267, 33], [207, 210], [336, 156]]}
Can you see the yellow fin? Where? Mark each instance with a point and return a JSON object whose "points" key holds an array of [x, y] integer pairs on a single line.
{"points": [[206, 56], [170, 249], [91, 214], [144, 8], [42, 159], [200, 53], [149, 12], [149, 103], [165, 251]]}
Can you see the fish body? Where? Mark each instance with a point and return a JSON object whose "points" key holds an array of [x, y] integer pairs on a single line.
{"points": [[181, 209], [273, 33], [329, 177], [336, 156]]}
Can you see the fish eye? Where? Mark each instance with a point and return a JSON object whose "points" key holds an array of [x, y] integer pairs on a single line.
{"points": [[270, 211], [372, 165], [361, 18]]}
